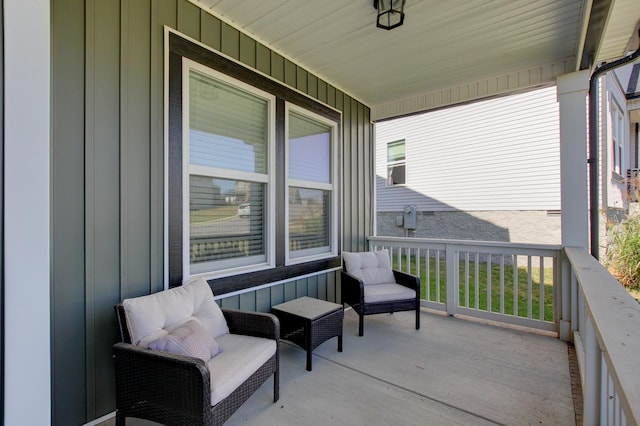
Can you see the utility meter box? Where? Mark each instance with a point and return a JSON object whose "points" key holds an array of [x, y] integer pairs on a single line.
{"points": [[410, 217]]}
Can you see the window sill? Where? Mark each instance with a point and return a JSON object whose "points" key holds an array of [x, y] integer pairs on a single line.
{"points": [[239, 282]]}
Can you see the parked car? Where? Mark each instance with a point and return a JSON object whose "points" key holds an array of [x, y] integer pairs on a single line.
{"points": [[244, 209]]}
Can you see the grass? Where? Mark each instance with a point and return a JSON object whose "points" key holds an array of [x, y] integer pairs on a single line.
{"points": [[499, 277], [623, 252], [218, 213]]}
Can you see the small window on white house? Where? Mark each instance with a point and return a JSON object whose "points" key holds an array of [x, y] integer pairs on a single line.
{"points": [[396, 164], [617, 137], [311, 196], [227, 169]]}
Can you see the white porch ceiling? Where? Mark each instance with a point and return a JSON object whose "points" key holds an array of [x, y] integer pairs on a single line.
{"points": [[446, 51]]}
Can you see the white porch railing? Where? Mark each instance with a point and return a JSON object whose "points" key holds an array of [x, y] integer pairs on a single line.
{"points": [[505, 282], [544, 287], [605, 321]]}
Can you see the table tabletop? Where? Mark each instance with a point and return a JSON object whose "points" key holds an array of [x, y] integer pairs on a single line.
{"points": [[307, 307]]}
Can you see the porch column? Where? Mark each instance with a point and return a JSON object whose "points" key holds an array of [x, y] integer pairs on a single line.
{"points": [[26, 280], [572, 92]]}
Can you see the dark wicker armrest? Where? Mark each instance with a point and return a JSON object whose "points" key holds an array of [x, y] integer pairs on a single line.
{"points": [[352, 288], [407, 280], [258, 324], [179, 384]]}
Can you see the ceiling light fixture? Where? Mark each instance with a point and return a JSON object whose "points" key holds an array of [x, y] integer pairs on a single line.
{"points": [[390, 13]]}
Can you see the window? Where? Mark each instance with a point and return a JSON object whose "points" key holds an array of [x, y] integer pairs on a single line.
{"points": [[251, 174], [311, 203], [396, 166], [227, 172], [617, 137]]}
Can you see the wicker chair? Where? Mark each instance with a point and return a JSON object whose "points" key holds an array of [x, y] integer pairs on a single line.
{"points": [[370, 286], [173, 389]]}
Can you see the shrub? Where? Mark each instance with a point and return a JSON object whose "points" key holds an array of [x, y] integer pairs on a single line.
{"points": [[623, 252]]}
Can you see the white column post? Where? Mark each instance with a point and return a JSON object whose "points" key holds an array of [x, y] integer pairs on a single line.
{"points": [[27, 87], [572, 92], [572, 96]]}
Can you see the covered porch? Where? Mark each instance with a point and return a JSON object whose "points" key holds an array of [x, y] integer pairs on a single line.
{"points": [[453, 371], [493, 355], [86, 218]]}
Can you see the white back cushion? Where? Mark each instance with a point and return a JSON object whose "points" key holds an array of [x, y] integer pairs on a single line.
{"points": [[150, 317], [372, 267]]}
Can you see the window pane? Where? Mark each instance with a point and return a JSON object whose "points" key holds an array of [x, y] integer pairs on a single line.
{"points": [[226, 219], [309, 149], [309, 223], [228, 128], [395, 151], [395, 175]]}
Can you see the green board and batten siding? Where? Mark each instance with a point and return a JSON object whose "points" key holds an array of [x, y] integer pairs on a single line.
{"points": [[108, 177]]}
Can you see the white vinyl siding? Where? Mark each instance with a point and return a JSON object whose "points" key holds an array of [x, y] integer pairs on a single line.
{"points": [[496, 154]]}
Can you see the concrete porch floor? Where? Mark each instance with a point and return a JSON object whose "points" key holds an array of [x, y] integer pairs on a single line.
{"points": [[450, 372]]}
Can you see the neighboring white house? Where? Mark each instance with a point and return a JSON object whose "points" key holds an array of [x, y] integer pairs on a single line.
{"points": [[517, 198], [503, 185], [619, 154]]}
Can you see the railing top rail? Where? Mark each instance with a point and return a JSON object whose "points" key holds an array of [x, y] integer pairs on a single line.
{"points": [[498, 245], [616, 320]]}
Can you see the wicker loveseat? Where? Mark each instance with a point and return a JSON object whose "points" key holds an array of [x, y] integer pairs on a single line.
{"points": [[168, 387], [370, 286]]}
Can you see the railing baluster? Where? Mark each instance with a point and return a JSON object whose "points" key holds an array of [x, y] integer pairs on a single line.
{"points": [[541, 287], [489, 269], [477, 279], [466, 279], [438, 275], [408, 259], [502, 284], [529, 289], [428, 274], [418, 271], [516, 293]]}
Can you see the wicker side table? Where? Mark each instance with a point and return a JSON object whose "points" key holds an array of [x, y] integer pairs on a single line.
{"points": [[309, 322]]}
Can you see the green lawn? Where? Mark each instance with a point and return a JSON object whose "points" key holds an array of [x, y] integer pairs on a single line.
{"points": [[204, 215], [500, 277]]}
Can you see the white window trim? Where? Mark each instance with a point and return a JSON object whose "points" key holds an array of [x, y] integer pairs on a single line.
{"points": [[320, 252], [617, 138], [232, 266], [396, 163]]}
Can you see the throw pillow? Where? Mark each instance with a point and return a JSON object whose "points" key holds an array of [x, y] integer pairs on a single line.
{"points": [[190, 339]]}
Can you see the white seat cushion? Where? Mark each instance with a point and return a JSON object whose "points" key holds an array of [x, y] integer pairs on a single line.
{"points": [[387, 292], [153, 316], [372, 267], [241, 356]]}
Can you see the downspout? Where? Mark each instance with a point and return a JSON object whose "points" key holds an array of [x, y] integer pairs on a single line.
{"points": [[594, 142]]}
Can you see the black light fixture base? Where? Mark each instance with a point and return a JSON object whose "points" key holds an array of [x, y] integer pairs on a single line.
{"points": [[390, 13]]}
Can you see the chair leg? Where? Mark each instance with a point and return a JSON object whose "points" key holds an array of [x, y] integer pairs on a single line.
{"points": [[276, 386], [120, 419], [361, 330], [417, 319]]}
